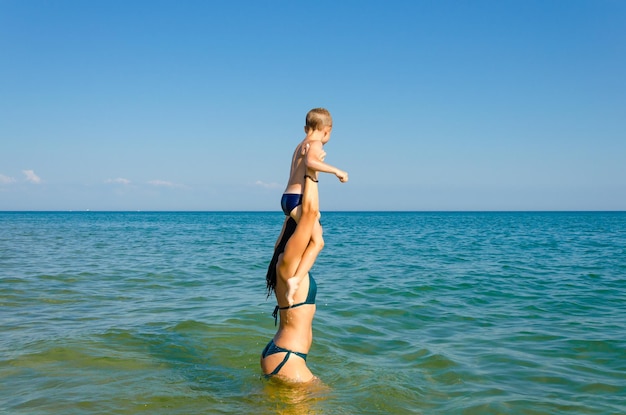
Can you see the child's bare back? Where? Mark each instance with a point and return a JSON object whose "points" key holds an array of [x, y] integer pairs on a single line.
{"points": [[298, 169]]}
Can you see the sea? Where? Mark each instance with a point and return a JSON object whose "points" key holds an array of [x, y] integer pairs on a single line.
{"points": [[417, 313]]}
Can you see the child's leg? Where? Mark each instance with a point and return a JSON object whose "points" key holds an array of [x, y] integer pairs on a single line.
{"points": [[299, 240], [306, 263], [292, 282], [312, 251]]}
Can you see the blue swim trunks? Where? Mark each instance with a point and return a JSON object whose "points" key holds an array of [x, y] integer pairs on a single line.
{"points": [[289, 201]]}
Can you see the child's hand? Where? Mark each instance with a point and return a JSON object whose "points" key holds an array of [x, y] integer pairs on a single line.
{"points": [[342, 176]]}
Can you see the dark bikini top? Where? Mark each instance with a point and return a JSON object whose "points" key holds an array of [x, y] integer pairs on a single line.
{"points": [[310, 299]]}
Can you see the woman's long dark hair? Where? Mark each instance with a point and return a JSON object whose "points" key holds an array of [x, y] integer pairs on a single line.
{"points": [[270, 277]]}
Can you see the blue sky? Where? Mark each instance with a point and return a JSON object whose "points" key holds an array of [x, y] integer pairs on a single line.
{"points": [[197, 105]]}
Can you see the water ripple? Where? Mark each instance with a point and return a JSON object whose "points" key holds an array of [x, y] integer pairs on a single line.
{"points": [[418, 313]]}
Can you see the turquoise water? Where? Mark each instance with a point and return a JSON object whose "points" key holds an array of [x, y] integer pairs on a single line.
{"points": [[418, 313]]}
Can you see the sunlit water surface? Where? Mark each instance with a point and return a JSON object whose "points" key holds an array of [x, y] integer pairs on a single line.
{"points": [[418, 313]]}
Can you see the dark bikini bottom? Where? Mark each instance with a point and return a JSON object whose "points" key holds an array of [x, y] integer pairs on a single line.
{"points": [[271, 349]]}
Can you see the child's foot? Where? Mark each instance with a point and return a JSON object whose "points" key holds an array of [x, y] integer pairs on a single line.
{"points": [[292, 286]]}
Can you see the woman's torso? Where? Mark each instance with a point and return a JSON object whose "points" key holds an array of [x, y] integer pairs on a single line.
{"points": [[295, 331]]}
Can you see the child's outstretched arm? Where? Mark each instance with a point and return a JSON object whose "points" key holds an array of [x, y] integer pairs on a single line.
{"points": [[314, 160]]}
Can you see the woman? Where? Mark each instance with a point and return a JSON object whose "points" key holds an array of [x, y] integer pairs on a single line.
{"points": [[285, 355]]}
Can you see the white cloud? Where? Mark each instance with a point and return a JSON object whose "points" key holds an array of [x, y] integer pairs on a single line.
{"points": [[119, 180], [6, 179], [267, 185], [166, 183], [31, 176]]}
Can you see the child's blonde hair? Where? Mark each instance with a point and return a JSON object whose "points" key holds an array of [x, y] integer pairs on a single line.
{"points": [[318, 118]]}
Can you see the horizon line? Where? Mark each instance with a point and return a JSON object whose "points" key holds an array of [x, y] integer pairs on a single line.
{"points": [[325, 211]]}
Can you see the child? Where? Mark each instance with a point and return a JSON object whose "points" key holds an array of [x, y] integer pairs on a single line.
{"points": [[307, 161]]}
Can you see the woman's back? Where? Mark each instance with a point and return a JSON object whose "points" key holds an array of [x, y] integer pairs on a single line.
{"points": [[296, 322]]}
